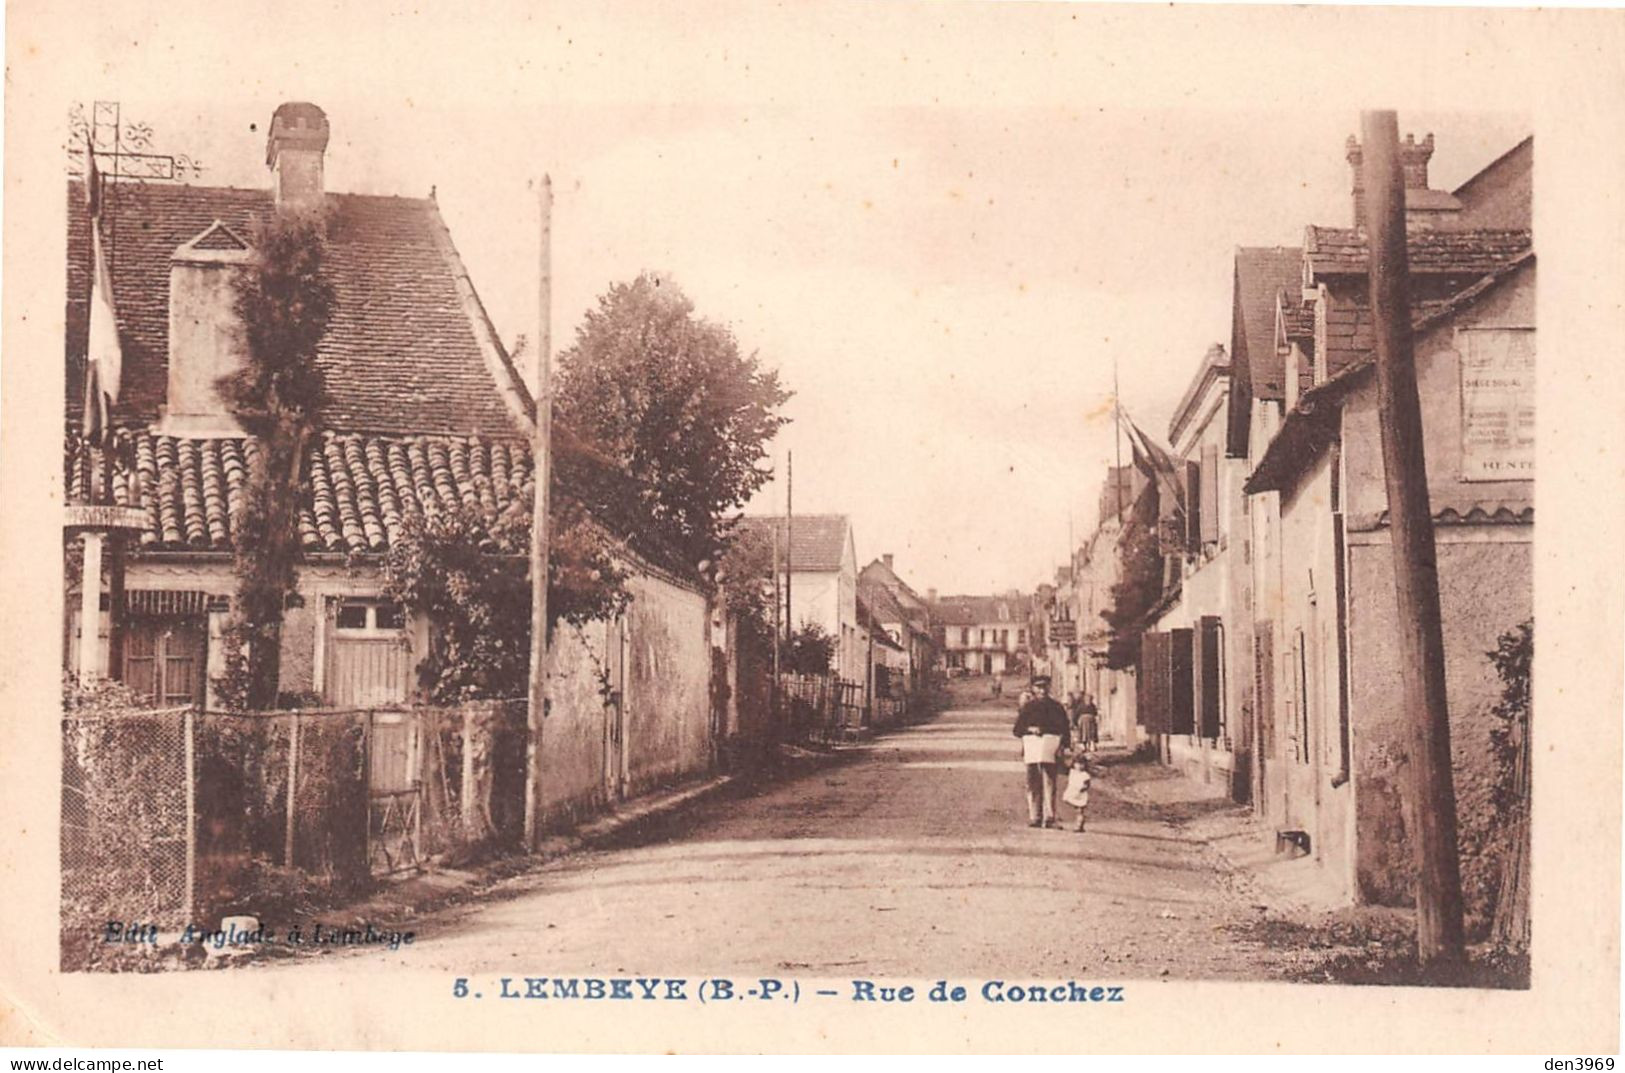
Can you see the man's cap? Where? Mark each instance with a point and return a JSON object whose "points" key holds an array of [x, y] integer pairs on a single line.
{"points": [[1041, 680]]}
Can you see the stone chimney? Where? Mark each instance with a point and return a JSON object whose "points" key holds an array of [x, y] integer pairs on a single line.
{"points": [[1425, 209], [930, 596], [294, 152], [886, 558]]}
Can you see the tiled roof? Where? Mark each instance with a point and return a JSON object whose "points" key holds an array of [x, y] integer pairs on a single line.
{"points": [[979, 610], [358, 489], [1297, 315], [881, 602], [820, 539], [401, 355], [1342, 251], [1311, 425], [1350, 330], [1466, 512]]}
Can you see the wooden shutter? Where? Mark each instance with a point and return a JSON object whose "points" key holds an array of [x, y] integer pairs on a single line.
{"points": [[1194, 505], [1264, 684], [1182, 698], [1210, 702], [1210, 493]]}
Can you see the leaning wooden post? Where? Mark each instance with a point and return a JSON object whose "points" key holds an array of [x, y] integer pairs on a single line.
{"points": [[542, 467], [189, 755], [292, 803], [1439, 931]]}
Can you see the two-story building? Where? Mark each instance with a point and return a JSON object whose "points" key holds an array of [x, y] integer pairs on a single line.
{"points": [[818, 554], [983, 634]]}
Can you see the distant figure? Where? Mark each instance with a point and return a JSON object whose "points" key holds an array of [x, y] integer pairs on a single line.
{"points": [[998, 685], [1041, 725], [1088, 725]]}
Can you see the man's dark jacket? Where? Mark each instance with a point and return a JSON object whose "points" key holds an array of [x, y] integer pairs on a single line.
{"points": [[1047, 715]]}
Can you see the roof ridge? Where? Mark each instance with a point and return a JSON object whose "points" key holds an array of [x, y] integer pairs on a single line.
{"points": [[515, 394]]}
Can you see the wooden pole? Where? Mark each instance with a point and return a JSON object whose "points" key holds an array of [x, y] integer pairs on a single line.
{"points": [[789, 539], [90, 610], [773, 693], [542, 464], [1439, 930], [293, 791]]}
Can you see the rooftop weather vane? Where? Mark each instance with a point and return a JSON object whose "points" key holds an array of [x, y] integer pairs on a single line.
{"points": [[123, 150]]}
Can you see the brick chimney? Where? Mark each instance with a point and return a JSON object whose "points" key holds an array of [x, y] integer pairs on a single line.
{"points": [[294, 152], [886, 558], [1413, 160]]}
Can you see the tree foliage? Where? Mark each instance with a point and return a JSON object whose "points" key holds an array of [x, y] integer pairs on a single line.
{"points": [[679, 416], [469, 574], [284, 305], [1513, 659], [811, 650]]}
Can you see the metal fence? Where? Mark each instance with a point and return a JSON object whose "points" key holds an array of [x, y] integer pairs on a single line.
{"points": [[176, 816]]}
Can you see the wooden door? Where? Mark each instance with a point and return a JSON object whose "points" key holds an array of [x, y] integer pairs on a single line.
{"points": [[164, 659]]}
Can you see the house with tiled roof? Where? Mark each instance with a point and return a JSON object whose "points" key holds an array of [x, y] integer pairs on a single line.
{"points": [[1270, 674], [1330, 717], [902, 613], [423, 412], [818, 554]]}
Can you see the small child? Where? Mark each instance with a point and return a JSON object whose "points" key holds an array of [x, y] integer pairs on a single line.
{"points": [[1078, 782]]}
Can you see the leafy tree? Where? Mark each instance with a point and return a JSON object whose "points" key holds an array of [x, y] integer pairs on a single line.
{"points": [[679, 416], [469, 574], [284, 304], [811, 650]]}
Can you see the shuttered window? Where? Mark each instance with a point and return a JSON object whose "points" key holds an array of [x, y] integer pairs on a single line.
{"points": [[1210, 493], [1195, 503]]}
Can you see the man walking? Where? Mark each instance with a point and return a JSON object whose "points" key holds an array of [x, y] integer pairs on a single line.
{"points": [[1042, 726]]}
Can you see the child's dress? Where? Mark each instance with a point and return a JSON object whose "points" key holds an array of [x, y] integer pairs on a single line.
{"points": [[1077, 787]]}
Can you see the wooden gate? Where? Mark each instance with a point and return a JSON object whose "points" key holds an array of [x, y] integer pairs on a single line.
{"points": [[394, 791]]}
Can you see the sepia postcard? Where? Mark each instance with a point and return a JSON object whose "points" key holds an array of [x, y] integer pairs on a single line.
{"points": [[834, 527]]}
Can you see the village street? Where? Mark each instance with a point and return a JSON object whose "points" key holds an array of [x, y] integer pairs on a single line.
{"points": [[910, 857]]}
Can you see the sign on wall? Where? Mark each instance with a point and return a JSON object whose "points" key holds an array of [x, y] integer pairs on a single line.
{"points": [[1497, 403]]}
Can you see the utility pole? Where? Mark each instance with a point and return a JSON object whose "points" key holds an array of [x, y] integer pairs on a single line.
{"points": [[1439, 932], [778, 608], [541, 457], [789, 539]]}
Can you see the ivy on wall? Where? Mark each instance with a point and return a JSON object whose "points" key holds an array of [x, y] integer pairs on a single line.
{"points": [[284, 305]]}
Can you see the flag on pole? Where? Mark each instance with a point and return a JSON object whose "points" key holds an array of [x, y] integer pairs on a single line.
{"points": [[104, 360], [1155, 462]]}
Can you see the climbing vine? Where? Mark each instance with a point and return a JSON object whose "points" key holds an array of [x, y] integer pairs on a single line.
{"points": [[284, 305], [468, 573]]}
